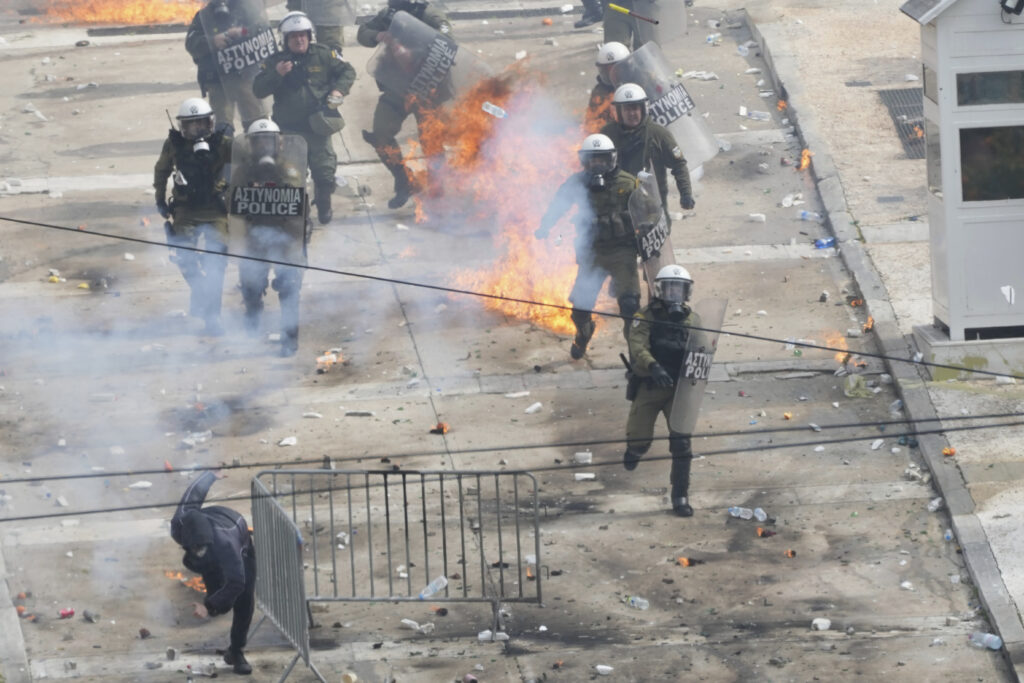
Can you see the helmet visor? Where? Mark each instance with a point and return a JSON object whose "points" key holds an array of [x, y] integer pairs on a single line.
{"points": [[675, 291], [598, 162], [193, 129], [264, 145]]}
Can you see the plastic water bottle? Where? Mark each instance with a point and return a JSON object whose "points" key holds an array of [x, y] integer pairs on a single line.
{"points": [[948, 535], [805, 215], [433, 587], [760, 515], [825, 242], [640, 603], [494, 110], [741, 513], [742, 50], [759, 116], [989, 640], [713, 38]]}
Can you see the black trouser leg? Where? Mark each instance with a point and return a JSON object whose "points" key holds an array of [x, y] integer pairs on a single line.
{"points": [[245, 605], [629, 304], [682, 458]]}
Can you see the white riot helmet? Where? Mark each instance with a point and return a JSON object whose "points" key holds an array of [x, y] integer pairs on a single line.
{"points": [[264, 138], [607, 56], [627, 94], [195, 118], [673, 285], [295, 22], [598, 158]]}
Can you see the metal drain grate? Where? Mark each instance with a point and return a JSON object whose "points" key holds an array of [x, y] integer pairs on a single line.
{"points": [[906, 107]]}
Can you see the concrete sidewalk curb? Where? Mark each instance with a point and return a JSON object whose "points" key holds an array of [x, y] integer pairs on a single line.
{"points": [[13, 660], [908, 379]]}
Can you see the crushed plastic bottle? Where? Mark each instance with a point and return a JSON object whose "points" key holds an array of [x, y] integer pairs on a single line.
{"points": [[934, 504], [805, 215], [433, 587], [742, 50], [713, 38], [989, 640], [948, 536], [822, 242], [494, 110], [637, 602], [741, 513], [760, 515]]}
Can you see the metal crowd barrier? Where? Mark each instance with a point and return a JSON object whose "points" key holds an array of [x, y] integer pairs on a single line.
{"points": [[280, 588], [386, 535]]}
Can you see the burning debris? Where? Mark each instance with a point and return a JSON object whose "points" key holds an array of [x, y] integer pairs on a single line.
{"points": [[328, 359], [440, 428], [805, 159], [195, 582], [122, 11]]}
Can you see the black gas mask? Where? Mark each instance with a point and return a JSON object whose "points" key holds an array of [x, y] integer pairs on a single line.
{"points": [[220, 8], [675, 293], [196, 534], [598, 165]]}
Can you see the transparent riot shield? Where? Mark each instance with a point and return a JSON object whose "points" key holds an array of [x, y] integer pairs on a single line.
{"points": [[329, 12], [670, 104], [267, 194], [696, 367], [671, 18], [417, 60], [240, 39], [651, 226]]}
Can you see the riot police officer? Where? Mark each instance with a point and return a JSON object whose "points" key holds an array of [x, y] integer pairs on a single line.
{"points": [[599, 109], [308, 82], [196, 156], [217, 27], [605, 241], [394, 107], [329, 18], [657, 347], [268, 203], [642, 143]]}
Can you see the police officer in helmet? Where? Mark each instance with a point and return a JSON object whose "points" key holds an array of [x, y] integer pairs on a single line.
{"points": [[600, 108], [196, 155], [658, 340], [605, 241]]}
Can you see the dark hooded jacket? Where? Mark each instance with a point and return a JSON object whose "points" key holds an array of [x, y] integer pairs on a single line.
{"points": [[227, 537]]}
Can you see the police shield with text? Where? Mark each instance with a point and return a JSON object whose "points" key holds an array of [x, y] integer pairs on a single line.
{"points": [[659, 349], [653, 239], [669, 104], [695, 369], [269, 211], [238, 38]]}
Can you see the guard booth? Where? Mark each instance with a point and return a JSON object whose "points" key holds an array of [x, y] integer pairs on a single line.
{"points": [[973, 77]]}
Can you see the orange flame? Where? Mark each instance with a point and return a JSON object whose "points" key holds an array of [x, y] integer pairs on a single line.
{"points": [[195, 583], [506, 172], [123, 12], [918, 133], [837, 340], [805, 159], [781, 106], [870, 324]]}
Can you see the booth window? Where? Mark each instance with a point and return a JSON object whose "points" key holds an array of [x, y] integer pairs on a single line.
{"points": [[992, 163], [933, 157], [993, 87], [931, 84]]}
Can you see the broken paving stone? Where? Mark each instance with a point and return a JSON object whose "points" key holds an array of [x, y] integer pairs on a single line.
{"points": [[172, 654], [154, 665], [144, 633]]}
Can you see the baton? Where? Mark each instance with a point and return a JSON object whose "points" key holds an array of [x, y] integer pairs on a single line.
{"points": [[631, 13]]}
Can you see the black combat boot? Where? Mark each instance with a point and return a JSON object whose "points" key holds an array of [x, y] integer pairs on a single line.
{"points": [[630, 460], [324, 213], [584, 331], [681, 507], [403, 188], [237, 661], [592, 14]]}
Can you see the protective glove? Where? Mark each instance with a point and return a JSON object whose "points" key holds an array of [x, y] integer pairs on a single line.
{"points": [[660, 377], [161, 206], [687, 202]]}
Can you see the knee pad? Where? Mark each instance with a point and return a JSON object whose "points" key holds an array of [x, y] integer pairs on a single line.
{"points": [[629, 304], [679, 446]]}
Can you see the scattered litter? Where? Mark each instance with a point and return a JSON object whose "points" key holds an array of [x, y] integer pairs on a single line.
{"points": [[757, 218], [604, 669], [288, 441], [401, 226], [565, 9], [488, 635], [517, 394], [494, 110], [584, 476], [790, 553], [688, 561], [327, 359], [821, 624], [312, 415], [143, 632], [948, 450], [91, 617], [141, 485], [521, 54], [196, 438], [425, 629], [440, 428], [856, 387], [62, 501], [819, 449], [359, 413], [547, 41], [876, 444], [699, 75], [171, 654], [534, 408], [583, 457], [935, 504], [129, 257], [792, 199], [907, 586]]}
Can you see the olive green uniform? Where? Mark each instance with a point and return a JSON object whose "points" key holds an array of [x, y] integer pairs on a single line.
{"points": [[301, 92], [197, 44], [393, 108], [620, 27], [653, 339], [651, 144], [199, 214], [324, 14], [605, 245]]}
